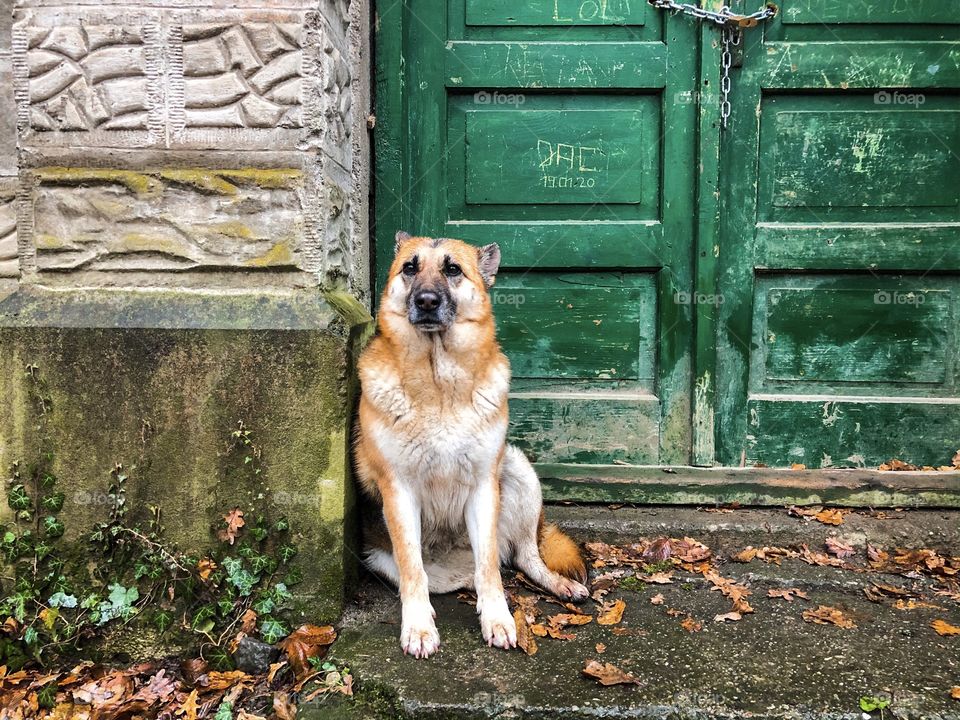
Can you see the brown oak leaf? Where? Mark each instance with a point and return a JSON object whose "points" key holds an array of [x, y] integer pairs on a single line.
{"points": [[607, 674], [305, 642], [786, 593], [825, 615], [611, 613], [234, 520], [944, 628]]}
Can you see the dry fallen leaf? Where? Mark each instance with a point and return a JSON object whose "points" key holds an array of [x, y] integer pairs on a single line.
{"points": [[611, 613], [600, 648], [206, 566], [897, 465], [188, 710], [911, 604], [956, 460], [825, 615], [525, 639], [787, 594], [836, 546], [745, 555], [736, 593], [305, 642], [829, 516], [798, 466], [691, 625], [234, 521], [659, 578], [607, 674], [657, 599], [944, 628], [284, 709], [728, 617], [955, 691]]}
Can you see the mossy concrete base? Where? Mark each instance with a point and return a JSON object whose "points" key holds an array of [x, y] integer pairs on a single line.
{"points": [[158, 380]]}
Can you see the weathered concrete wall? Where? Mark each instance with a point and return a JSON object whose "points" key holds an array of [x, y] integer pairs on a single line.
{"points": [[211, 144], [158, 381]]}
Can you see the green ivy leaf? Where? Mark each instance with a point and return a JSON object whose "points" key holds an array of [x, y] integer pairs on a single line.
{"points": [[53, 503], [870, 704], [287, 553], [272, 630], [18, 499], [30, 636], [203, 618], [294, 576], [264, 605], [219, 659], [225, 711], [47, 696], [52, 527], [259, 533], [238, 576], [162, 619], [282, 525]]}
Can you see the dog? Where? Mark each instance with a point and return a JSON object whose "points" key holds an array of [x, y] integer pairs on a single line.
{"points": [[430, 449]]}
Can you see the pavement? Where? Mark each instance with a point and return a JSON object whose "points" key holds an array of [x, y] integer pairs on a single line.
{"points": [[771, 664]]}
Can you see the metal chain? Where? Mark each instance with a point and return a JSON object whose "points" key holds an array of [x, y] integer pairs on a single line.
{"points": [[726, 62], [724, 17], [731, 28]]}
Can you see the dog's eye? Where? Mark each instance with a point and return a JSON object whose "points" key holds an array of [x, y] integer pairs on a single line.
{"points": [[409, 269], [452, 270]]}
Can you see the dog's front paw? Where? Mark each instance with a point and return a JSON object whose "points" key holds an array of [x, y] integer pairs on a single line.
{"points": [[497, 625], [419, 636]]}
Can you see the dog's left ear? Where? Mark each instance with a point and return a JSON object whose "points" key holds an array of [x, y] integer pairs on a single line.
{"points": [[488, 259]]}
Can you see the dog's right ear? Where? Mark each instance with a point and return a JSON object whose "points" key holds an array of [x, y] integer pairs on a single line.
{"points": [[399, 240]]}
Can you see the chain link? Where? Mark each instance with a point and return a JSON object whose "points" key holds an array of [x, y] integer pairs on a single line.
{"points": [[731, 27], [723, 18]]}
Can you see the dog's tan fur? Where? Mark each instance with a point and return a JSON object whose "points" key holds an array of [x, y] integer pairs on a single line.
{"points": [[430, 448]]}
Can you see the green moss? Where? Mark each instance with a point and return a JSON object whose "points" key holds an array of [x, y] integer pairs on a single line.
{"points": [[278, 255], [268, 178], [136, 182], [205, 180], [232, 228]]}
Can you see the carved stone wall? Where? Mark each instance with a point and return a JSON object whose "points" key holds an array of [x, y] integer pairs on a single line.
{"points": [[9, 265], [182, 143]]}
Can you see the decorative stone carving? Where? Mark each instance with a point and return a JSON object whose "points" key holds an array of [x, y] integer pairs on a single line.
{"points": [[106, 88], [123, 220], [9, 264], [242, 75], [83, 77]]}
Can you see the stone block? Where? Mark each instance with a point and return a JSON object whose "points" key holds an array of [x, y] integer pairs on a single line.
{"points": [[167, 220], [158, 380], [9, 262]]}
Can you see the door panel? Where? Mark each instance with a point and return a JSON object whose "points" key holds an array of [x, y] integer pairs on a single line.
{"points": [[840, 249], [550, 127]]}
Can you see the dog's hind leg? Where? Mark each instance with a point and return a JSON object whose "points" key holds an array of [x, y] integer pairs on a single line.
{"points": [[521, 507]]}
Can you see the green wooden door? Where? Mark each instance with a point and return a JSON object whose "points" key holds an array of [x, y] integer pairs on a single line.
{"points": [[838, 337], [565, 131]]}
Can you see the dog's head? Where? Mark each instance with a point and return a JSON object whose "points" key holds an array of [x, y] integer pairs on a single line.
{"points": [[437, 282]]}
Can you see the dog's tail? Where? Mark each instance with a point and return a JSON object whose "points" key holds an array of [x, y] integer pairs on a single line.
{"points": [[560, 553]]}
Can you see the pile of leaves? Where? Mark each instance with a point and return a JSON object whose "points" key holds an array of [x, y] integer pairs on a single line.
{"points": [[189, 690]]}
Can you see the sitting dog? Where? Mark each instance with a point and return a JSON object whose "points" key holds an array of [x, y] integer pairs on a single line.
{"points": [[430, 449]]}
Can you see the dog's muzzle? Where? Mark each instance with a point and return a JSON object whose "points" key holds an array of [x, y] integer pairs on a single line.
{"points": [[430, 310]]}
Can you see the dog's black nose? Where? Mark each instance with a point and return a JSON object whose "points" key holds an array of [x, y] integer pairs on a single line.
{"points": [[427, 300]]}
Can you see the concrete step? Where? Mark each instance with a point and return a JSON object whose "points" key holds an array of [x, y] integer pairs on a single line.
{"points": [[771, 664]]}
